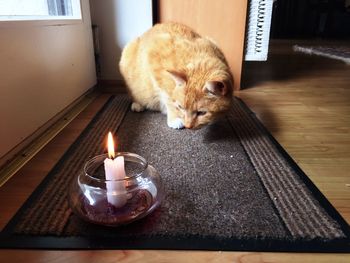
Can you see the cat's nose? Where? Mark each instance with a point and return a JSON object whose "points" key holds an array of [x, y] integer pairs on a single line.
{"points": [[189, 120], [188, 123]]}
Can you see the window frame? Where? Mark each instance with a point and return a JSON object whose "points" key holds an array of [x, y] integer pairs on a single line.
{"points": [[23, 21]]}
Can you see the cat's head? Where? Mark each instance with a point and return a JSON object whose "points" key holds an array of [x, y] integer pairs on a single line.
{"points": [[200, 99]]}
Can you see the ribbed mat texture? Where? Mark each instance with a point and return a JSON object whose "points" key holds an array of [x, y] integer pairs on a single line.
{"points": [[50, 213], [300, 212], [225, 184]]}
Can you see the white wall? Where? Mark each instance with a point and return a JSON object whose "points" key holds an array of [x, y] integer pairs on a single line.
{"points": [[119, 22], [42, 70]]}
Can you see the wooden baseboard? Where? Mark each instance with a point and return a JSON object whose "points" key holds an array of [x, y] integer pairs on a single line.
{"points": [[111, 86], [12, 161]]}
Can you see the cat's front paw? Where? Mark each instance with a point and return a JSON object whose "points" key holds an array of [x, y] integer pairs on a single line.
{"points": [[176, 123], [137, 107]]}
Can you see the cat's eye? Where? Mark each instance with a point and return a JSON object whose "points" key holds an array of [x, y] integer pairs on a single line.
{"points": [[201, 113], [179, 106]]}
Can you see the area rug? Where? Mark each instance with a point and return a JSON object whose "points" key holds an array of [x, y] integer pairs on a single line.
{"points": [[335, 52], [228, 186]]}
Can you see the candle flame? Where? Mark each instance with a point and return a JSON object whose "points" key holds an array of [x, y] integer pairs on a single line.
{"points": [[110, 144]]}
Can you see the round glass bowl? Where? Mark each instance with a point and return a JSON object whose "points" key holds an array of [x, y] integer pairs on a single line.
{"points": [[115, 202]]}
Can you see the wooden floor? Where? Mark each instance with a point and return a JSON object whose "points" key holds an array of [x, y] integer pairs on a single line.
{"points": [[302, 100], [305, 103]]}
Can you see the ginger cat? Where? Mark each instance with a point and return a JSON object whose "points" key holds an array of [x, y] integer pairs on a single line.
{"points": [[172, 69]]}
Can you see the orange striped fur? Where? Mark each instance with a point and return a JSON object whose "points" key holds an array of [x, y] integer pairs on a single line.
{"points": [[172, 69]]}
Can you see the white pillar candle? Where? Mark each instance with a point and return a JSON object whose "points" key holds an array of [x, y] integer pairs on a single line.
{"points": [[115, 173]]}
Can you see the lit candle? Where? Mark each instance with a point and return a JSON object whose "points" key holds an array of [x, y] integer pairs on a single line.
{"points": [[115, 172]]}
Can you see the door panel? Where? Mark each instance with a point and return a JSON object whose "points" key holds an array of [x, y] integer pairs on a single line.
{"points": [[222, 20]]}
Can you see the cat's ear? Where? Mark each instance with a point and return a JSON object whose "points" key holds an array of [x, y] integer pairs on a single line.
{"points": [[179, 78], [217, 88]]}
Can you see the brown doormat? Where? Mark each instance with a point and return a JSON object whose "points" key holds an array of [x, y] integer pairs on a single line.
{"points": [[228, 186], [335, 52]]}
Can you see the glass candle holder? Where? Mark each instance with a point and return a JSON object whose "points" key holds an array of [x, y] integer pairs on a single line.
{"points": [[92, 197]]}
